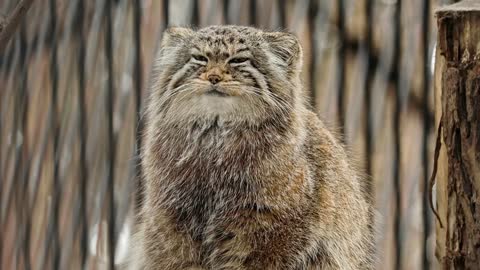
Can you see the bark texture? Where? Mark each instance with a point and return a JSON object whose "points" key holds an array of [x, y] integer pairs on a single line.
{"points": [[458, 107]]}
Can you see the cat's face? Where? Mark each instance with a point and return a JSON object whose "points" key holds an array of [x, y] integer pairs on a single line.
{"points": [[226, 73]]}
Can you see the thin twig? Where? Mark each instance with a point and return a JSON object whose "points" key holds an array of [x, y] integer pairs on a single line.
{"points": [[438, 146], [8, 25]]}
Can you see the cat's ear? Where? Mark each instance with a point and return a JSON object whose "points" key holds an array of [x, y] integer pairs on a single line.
{"points": [[287, 48], [176, 34]]}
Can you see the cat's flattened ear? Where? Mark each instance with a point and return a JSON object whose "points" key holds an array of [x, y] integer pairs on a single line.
{"points": [[287, 47], [175, 34]]}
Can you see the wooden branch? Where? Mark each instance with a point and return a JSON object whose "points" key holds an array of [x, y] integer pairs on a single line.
{"points": [[9, 24], [457, 93]]}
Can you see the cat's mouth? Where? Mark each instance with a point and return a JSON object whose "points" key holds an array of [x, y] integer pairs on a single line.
{"points": [[217, 91]]}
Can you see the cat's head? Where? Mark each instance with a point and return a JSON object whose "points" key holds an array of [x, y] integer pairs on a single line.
{"points": [[232, 74]]}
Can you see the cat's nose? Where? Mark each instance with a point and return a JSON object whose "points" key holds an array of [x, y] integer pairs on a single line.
{"points": [[215, 75], [214, 78]]}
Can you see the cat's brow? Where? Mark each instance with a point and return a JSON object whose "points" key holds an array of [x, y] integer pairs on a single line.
{"points": [[196, 47], [242, 50]]}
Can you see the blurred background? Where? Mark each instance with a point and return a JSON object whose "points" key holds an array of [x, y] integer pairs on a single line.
{"points": [[72, 81]]}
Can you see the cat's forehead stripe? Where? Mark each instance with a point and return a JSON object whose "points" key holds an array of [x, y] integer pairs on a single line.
{"points": [[222, 42], [221, 39], [228, 33]]}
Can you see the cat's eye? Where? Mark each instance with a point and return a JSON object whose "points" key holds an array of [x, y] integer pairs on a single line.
{"points": [[200, 58], [238, 60]]}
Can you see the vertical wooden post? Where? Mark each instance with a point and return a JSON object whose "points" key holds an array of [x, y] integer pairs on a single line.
{"points": [[457, 96]]}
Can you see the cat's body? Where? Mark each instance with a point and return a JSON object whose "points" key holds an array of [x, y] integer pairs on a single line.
{"points": [[237, 172]]}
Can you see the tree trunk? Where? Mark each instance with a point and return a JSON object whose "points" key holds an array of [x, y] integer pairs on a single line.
{"points": [[457, 97]]}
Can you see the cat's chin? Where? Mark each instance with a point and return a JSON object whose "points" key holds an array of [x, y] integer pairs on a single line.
{"points": [[214, 102], [206, 106], [213, 106], [218, 92]]}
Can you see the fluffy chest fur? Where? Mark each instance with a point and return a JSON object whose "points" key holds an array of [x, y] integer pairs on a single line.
{"points": [[209, 171]]}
